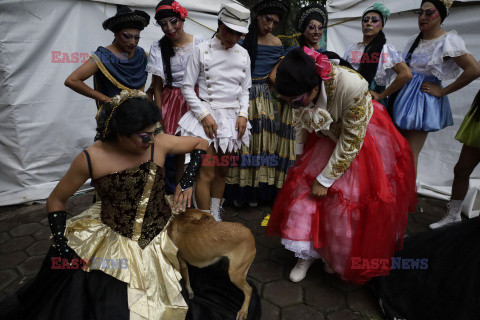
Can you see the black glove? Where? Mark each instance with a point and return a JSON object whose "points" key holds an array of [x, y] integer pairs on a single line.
{"points": [[192, 168], [57, 221]]}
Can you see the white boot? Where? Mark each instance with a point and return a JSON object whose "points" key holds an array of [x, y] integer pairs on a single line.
{"points": [[453, 214], [299, 272], [215, 208]]}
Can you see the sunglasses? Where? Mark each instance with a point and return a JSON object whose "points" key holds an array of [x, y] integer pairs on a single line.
{"points": [[128, 36], [269, 19], [164, 23], [146, 137], [428, 12], [312, 27], [372, 19]]}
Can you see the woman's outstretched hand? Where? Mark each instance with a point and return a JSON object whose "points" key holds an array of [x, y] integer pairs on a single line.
{"points": [[182, 199]]}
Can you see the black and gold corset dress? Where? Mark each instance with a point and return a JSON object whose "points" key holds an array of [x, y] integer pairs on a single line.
{"points": [[127, 228]]}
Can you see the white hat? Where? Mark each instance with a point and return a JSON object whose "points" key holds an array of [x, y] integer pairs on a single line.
{"points": [[234, 16]]}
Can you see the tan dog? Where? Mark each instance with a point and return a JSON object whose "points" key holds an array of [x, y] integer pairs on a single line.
{"points": [[202, 241]]}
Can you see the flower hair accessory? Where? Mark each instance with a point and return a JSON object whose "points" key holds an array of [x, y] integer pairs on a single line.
{"points": [[380, 7], [116, 101], [322, 64], [177, 8]]}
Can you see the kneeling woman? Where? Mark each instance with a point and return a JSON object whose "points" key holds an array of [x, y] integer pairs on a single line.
{"points": [[121, 241], [347, 198]]}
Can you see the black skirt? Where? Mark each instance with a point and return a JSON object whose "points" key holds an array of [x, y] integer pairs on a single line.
{"points": [[73, 294], [446, 282]]}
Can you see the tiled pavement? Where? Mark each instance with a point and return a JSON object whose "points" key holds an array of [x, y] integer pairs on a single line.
{"points": [[24, 241]]}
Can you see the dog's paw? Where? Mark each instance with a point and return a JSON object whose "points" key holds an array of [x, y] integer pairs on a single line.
{"points": [[242, 315]]}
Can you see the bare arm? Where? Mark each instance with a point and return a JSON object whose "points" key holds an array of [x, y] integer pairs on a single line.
{"points": [[471, 71], [75, 81], [180, 145], [75, 177], [404, 74], [157, 90]]}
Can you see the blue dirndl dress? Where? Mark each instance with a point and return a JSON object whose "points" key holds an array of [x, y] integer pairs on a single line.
{"points": [[431, 62]]}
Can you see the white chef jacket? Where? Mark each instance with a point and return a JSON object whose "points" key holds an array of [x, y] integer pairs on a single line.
{"points": [[223, 76]]}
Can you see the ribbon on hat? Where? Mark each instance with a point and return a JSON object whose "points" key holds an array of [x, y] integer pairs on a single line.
{"points": [[176, 7], [322, 64]]}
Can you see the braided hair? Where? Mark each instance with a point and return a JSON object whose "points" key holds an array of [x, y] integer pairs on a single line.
{"points": [[165, 44]]}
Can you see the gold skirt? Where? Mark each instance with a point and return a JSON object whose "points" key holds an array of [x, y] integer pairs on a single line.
{"points": [[152, 274]]}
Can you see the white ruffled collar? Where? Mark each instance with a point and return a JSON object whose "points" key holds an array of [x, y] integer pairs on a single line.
{"points": [[314, 117]]}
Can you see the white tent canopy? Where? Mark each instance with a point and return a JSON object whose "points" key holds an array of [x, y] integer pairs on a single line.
{"points": [[441, 150], [45, 125]]}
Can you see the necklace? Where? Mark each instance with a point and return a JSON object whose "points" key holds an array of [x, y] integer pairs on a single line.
{"points": [[435, 35]]}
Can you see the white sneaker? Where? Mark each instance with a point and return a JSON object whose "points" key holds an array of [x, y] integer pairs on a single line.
{"points": [[253, 203], [299, 272], [454, 212], [446, 220], [216, 216]]}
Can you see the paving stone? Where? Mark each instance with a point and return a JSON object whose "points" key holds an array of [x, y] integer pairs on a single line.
{"points": [[363, 302], [271, 242], [283, 293], [263, 253], [257, 284], [345, 315], [17, 244], [255, 227], [270, 311], [415, 227], [325, 298], [7, 277], [25, 229], [250, 214], [42, 233], [39, 248], [8, 224], [334, 281], [284, 257], [301, 312], [36, 215], [266, 271], [19, 282], [12, 259], [4, 237], [44, 222], [425, 219], [31, 265]]}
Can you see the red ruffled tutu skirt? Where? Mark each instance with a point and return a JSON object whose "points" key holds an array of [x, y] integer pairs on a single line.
{"points": [[358, 226], [174, 107]]}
